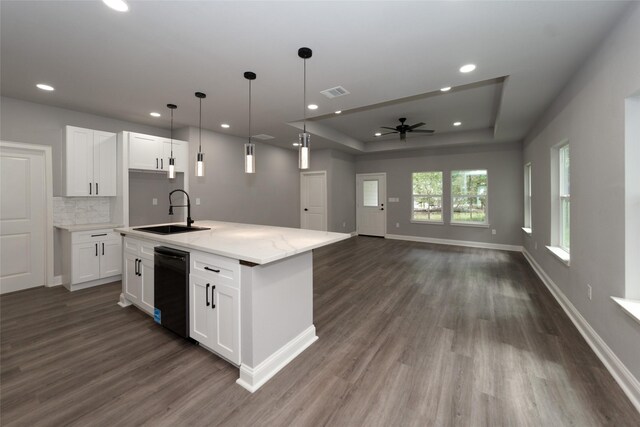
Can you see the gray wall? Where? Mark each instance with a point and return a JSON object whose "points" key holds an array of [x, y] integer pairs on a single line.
{"points": [[28, 122], [341, 188], [271, 196], [590, 113], [143, 188], [504, 167]]}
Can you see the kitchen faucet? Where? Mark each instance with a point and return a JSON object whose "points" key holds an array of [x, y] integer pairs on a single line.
{"points": [[188, 206]]}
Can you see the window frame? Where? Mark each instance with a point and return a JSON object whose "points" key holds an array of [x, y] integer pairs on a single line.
{"points": [[563, 150], [452, 196], [528, 205], [441, 196]]}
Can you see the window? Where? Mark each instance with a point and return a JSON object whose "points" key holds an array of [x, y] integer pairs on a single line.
{"points": [[427, 196], [370, 193], [564, 239], [469, 197], [527, 197]]}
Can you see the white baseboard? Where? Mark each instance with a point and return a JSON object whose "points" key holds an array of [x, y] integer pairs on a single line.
{"points": [[57, 281], [625, 379], [354, 233], [465, 243], [93, 283], [253, 378]]}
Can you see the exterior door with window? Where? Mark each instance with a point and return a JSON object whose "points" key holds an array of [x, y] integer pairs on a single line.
{"points": [[371, 194]]}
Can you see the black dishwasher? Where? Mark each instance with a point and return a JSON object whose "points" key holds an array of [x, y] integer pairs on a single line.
{"points": [[171, 289]]}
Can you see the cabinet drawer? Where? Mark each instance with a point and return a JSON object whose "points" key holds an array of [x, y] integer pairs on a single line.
{"points": [[93, 236], [143, 248], [210, 267]]}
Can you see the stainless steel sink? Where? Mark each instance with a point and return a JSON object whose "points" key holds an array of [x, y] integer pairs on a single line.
{"points": [[170, 229]]}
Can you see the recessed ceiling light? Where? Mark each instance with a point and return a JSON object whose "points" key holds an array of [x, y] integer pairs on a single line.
{"points": [[224, 125], [44, 87], [339, 111], [119, 5], [296, 144], [312, 107], [154, 114], [377, 134], [467, 68], [445, 89], [457, 123]]}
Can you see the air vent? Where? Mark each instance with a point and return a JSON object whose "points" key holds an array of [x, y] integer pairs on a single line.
{"points": [[263, 137], [335, 92]]}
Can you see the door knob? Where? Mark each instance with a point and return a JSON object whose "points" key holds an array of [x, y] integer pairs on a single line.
{"points": [[306, 209], [381, 209]]}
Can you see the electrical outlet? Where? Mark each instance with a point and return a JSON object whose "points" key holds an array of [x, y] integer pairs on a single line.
{"points": [[197, 200], [397, 225], [589, 291], [344, 225], [493, 231], [154, 201]]}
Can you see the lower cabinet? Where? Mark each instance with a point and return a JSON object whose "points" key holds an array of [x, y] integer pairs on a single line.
{"points": [[90, 257], [137, 278], [215, 308]]}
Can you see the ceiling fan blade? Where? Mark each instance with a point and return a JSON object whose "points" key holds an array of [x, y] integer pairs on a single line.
{"points": [[387, 133], [417, 125], [385, 127], [424, 131]]}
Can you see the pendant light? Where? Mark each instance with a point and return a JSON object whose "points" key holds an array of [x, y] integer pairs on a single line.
{"points": [[249, 149], [172, 161], [200, 155], [304, 139]]}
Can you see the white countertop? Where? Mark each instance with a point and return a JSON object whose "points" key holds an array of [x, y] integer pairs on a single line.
{"points": [[259, 244], [87, 227]]}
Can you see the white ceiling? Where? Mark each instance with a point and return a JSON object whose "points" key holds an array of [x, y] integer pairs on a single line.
{"points": [[125, 65]]}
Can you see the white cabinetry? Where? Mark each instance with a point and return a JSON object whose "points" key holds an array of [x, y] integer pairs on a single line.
{"points": [[137, 278], [148, 152], [90, 258], [90, 162], [214, 306]]}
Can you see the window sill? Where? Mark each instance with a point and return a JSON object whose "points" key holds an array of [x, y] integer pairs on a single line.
{"points": [[630, 306], [470, 224], [415, 221], [527, 230], [561, 254]]}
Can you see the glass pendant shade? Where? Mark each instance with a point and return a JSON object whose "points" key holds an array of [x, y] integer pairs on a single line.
{"points": [[200, 164], [249, 158], [172, 168], [304, 152]]}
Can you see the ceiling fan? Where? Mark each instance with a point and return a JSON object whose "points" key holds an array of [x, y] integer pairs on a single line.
{"points": [[402, 129]]}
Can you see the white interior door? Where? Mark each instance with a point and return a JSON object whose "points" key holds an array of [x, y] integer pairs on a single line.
{"points": [[371, 193], [313, 200], [23, 219]]}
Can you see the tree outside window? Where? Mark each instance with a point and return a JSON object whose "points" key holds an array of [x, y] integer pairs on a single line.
{"points": [[427, 196], [469, 192]]}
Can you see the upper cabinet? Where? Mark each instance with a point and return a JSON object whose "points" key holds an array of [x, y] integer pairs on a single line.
{"points": [[148, 152], [89, 158]]}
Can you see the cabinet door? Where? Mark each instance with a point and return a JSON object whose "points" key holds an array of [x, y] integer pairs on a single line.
{"points": [[78, 162], [180, 154], [85, 262], [110, 258], [104, 163], [146, 296], [226, 321], [200, 313], [131, 282], [145, 152]]}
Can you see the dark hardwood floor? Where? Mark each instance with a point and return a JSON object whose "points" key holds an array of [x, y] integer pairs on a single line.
{"points": [[410, 334]]}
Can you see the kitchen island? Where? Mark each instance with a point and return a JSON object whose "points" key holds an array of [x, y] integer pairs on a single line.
{"points": [[259, 314]]}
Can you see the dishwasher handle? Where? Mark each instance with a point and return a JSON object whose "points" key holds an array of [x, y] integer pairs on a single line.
{"points": [[169, 253]]}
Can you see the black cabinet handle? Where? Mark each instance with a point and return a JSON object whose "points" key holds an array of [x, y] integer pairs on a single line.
{"points": [[135, 268], [213, 298], [211, 269], [98, 235], [207, 292], [156, 163], [161, 163], [96, 249], [103, 249], [89, 188], [97, 192], [139, 264]]}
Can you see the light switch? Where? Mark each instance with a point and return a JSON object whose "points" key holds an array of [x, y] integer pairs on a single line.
{"points": [[154, 201], [197, 200]]}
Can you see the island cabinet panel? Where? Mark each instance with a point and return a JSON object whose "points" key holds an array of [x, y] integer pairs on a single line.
{"points": [[214, 286], [137, 280]]}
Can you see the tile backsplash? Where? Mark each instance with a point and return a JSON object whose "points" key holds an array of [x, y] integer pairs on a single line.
{"points": [[81, 210]]}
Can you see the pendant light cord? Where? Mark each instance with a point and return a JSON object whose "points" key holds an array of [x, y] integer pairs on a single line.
{"points": [[172, 132], [200, 129], [304, 99], [249, 111]]}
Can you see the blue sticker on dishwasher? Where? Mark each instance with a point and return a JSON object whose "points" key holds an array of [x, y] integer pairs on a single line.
{"points": [[157, 315]]}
